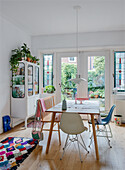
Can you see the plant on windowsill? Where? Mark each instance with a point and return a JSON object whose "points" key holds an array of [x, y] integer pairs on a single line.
{"points": [[49, 89]]}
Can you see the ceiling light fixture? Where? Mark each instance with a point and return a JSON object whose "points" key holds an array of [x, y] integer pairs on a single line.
{"points": [[77, 80]]}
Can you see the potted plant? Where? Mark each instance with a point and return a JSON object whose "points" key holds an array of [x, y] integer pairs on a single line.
{"points": [[92, 95], [49, 89], [15, 58], [96, 94], [35, 60], [19, 54], [26, 52]]}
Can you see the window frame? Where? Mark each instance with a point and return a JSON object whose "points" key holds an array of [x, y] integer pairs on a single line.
{"points": [[123, 91], [44, 71]]}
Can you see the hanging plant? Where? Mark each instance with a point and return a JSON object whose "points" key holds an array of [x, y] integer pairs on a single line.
{"points": [[15, 58]]}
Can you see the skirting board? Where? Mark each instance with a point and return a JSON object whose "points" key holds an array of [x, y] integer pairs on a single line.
{"points": [[15, 122]]}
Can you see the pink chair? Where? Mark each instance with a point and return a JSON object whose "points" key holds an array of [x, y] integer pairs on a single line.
{"points": [[81, 99], [43, 105]]}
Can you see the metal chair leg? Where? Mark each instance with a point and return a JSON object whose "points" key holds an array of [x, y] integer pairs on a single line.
{"points": [[91, 140], [110, 130], [79, 149], [107, 137], [64, 147], [84, 143]]}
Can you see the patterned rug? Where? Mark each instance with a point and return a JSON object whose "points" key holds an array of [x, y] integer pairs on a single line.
{"points": [[13, 151]]}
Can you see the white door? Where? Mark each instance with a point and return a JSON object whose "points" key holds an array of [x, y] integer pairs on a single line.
{"points": [[82, 70], [69, 90], [97, 55]]}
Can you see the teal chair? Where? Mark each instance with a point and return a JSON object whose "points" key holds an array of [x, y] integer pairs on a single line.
{"points": [[104, 122]]}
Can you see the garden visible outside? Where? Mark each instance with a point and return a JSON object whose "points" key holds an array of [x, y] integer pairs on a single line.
{"points": [[96, 79], [68, 71]]}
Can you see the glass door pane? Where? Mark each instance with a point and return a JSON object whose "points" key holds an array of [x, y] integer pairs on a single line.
{"points": [[68, 71], [30, 80], [96, 79], [18, 82], [36, 80]]}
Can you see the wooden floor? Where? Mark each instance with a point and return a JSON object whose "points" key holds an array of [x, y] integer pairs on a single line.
{"points": [[110, 159]]}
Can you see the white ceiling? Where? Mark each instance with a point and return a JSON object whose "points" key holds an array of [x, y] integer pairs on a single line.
{"points": [[45, 17]]}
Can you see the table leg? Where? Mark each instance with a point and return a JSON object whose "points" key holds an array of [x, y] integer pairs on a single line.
{"points": [[50, 132], [95, 139]]}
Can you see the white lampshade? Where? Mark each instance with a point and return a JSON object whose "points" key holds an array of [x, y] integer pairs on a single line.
{"points": [[77, 80]]}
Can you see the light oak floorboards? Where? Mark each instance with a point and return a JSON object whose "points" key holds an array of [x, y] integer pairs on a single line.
{"points": [[110, 159]]}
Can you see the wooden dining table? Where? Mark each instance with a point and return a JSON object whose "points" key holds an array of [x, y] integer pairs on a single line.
{"points": [[87, 107]]}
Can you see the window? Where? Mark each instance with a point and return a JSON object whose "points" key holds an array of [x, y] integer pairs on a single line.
{"points": [[119, 71], [47, 69]]}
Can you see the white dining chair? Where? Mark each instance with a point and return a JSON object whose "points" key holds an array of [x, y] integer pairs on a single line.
{"points": [[72, 124]]}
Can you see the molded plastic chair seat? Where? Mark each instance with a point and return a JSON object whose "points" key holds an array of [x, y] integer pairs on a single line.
{"points": [[72, 124], [104, 122]]}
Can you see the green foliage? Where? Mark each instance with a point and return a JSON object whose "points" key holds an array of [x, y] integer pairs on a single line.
{"points": [[96, 77], [15, 58], [49, 89], [25, 50], [99, 92], [92, 95], [18, 54], [68, 71], [99, 64]]}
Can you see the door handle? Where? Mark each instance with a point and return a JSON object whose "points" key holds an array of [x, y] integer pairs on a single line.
{"points": [[59, 84]]}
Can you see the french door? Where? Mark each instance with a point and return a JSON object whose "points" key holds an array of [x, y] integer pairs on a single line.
{"points": [[67, 66], [81, 64]]}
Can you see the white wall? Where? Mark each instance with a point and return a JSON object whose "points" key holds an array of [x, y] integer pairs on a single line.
{"points": [[97, 41], [11, 37], [93, 39]]}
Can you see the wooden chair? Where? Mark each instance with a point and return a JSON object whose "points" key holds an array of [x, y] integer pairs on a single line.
{"points": [[46, 117]]}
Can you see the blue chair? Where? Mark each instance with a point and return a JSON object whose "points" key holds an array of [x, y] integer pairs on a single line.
{"points": [[104, 122]]}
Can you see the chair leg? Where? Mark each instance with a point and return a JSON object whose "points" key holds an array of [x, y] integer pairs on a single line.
{"points": [[59, 135], [42, 127], [64, 147], [110, 130], [90, 140], [79, 149], [107, 137], [84, 143], [89, 123]]}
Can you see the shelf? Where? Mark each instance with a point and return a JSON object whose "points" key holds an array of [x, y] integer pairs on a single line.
{"points": [[19, 76], [18, 84], [30, 74], [30, 84]]}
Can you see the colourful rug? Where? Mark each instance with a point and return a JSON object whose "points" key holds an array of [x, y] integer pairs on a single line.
{"points": [[13, 151]]}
